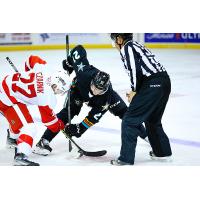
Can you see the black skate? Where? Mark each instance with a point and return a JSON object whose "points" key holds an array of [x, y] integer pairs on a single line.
{"points": [[118, 162], [164, 158], [11, 143], [21, 159], [42, 147]]}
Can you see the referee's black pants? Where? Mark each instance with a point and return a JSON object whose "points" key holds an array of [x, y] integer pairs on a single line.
{"points": [[147, 106]]}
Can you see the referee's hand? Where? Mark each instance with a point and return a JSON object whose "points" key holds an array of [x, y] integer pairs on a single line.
{"points": [[130, 95]]}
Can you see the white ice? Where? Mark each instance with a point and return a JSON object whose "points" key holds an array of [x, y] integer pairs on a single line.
{"points": [[181, 120]]}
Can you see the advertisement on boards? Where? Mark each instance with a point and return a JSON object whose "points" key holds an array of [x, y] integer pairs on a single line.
{"points": [[15, 39], [172, 37]]}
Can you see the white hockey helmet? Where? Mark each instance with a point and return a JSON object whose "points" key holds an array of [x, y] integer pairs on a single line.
{"points": [[60, 82]]}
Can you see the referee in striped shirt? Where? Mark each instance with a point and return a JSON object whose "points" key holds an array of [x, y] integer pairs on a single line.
{"points": [[150, 89]]}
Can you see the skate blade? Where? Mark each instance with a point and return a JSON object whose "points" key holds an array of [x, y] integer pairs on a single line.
{"points": [[162, 159]]}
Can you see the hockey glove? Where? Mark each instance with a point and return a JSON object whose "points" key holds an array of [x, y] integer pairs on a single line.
{"points": [[75, 130], [67, 66]]}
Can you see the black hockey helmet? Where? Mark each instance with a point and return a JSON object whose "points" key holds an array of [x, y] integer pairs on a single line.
{"points": [[101, 81], [125, 36]]}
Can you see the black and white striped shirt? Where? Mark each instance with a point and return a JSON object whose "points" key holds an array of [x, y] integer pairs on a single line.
{"points": [[139, 62]]}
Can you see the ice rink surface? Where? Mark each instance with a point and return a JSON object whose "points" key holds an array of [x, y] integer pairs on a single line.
{"points": [[181, 120]]}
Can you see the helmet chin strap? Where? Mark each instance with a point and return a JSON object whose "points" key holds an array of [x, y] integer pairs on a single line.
{"points": [[120, 46]]}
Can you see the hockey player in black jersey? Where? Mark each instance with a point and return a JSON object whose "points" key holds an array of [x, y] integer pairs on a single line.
{"points": [[150, 89], [90, 86]]}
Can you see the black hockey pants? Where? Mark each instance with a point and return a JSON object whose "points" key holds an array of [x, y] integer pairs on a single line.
{"points": [[147, 106]]}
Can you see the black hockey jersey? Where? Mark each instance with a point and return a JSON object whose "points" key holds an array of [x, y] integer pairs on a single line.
{"points": [[84, 75]]}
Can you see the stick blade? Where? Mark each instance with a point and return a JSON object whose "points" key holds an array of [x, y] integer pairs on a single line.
{"points": [[95, 153]]}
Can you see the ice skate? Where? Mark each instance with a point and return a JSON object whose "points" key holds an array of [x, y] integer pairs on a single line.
{"points": [[164, 158], [118, 162], [21, 159], [42, 147]]}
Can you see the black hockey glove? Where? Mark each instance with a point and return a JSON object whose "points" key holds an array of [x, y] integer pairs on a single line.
{"points": [[75, 130], [67, 66]]}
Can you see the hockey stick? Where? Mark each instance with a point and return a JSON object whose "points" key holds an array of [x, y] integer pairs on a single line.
{"points": [[12, 65], [83, 152], [68, 93], [80, 150]]}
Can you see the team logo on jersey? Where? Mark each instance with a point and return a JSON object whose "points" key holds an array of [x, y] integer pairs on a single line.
{"points": [[105, 107], [80, 67]]}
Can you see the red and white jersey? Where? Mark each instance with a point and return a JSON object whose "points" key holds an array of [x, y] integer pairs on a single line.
{"points": [[31, 87]]}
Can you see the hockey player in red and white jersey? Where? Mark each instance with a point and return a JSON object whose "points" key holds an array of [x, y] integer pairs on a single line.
{"points": [[18, 92]]}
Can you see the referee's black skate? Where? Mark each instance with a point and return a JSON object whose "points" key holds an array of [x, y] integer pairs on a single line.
{"points": [[21, 159], [42, 147], [11, 143], [118, 162], [164, 158]]}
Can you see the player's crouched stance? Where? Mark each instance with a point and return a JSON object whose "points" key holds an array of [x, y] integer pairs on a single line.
{"points": [[92, 87], [21, 91]]}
